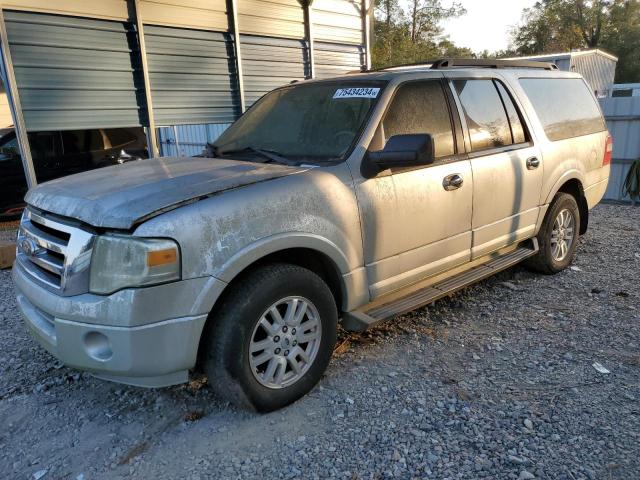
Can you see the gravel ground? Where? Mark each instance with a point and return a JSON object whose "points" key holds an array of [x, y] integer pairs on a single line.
{"points": [[495, 382], [8, 231]]}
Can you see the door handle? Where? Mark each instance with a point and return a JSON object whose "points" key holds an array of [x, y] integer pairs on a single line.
{"points": [[532, 163], [452, 182]]}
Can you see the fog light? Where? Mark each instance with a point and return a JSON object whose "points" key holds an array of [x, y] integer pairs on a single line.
{"points": [[98, 346]]}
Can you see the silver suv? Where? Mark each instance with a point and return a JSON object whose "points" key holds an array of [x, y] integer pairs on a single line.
{"points": [[352, 199]]}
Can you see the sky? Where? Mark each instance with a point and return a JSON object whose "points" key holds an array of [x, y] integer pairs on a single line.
{"points": [[486, 24]]}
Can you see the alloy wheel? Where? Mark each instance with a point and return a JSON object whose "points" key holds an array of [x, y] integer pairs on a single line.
{"points": [[562, 235], [285, 342]]}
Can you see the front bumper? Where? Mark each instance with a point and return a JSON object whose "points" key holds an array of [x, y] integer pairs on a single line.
{"points": [[147, 336]]}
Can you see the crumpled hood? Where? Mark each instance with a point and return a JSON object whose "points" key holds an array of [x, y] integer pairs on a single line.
{"points": [[122, 195]]}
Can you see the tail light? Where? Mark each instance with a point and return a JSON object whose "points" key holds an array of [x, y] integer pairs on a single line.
{"points": [[608, 151]]}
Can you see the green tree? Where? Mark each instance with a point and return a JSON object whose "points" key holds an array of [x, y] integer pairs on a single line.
{"points": [[546, 27], [564, 25], [622, 38], [426, 15], [401, 38]]}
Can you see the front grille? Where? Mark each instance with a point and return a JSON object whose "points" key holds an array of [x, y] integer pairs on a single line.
{"points": [[55, 253]]}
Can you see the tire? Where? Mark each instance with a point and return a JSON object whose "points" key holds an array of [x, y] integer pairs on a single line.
{"points": [[235, 329], [549, 260]]}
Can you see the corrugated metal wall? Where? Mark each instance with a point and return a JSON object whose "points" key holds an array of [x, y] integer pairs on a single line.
{"points": [[269, 63], [78, 66], [599, 71], [337, 21], [332, 59], [103, 9], [188, 140], [76, 72], [192, 75], [623, 120], [563, 63], [282, 18], [201, 14]]}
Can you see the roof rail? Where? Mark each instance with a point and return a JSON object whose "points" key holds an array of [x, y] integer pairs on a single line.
{"points": [[477, 62], [490, 63]]}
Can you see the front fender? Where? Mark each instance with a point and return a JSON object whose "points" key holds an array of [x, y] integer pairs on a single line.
{"points": [[275, 243], [353, 282], [222, 235]]}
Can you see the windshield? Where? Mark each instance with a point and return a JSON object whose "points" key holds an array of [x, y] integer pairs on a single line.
{"points": [[306, 122], [10, 145]]}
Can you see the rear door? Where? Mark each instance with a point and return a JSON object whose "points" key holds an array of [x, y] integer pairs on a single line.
{"points": [[506, 164]]}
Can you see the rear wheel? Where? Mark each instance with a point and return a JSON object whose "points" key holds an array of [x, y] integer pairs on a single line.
{"points": [[558, 236], [271, 338]]}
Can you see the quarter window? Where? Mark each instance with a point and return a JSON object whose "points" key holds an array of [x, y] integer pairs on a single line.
{"points": [[565, 106], [487, 120], [421, 107]]}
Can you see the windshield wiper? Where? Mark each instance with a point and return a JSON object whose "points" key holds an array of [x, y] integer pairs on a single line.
{"points": [[269, 155]]}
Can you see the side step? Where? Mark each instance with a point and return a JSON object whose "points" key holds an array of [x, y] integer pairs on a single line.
{"points": [[360, 320]]}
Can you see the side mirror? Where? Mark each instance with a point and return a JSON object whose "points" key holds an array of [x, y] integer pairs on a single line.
{"points": [[400, 151]]}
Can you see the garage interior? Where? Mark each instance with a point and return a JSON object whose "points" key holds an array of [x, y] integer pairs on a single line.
{"points": [[102, 82]]}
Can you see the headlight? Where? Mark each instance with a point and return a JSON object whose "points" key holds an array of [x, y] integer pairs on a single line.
{"points": [[120, 261]]}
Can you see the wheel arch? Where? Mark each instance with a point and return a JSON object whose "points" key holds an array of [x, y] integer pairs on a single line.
{"points": [[572, 182], [309, 251], [574, 188]]}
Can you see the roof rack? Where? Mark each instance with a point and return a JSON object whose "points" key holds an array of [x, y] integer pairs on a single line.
{"points": [[478, 62], [491, 63]]}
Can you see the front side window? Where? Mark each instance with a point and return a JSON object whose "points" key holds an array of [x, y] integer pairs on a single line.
{"points": [[564, 106], [421, 107], [9, 148], [487, 120], [307, 122]]}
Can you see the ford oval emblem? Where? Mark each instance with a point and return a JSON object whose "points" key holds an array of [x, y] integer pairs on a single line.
{"points": [[29, 247]]}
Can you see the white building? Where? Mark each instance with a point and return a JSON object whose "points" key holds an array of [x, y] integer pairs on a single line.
{"points": [[596, 66]]}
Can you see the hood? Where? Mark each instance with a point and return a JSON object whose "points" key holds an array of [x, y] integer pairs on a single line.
{"points": [[122, 195]]}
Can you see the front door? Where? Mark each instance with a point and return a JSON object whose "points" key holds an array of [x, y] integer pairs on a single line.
{"points": [[507, 166], [417, 222]]}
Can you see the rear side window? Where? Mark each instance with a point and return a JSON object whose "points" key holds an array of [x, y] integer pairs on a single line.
{"points": [[421, 107], [565, 107], [487, 120]]}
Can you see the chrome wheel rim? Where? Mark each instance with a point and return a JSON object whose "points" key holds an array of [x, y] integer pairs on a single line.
{"points": [[562, 235], [285, 342]]}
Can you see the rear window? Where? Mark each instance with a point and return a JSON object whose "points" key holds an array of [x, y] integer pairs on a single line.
{"points": [[565, 106]]}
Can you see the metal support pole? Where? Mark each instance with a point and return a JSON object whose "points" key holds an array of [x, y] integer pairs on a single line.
{"points": [[232, 6], [152, 134], [11, 87], [366, 32], [175, 139], [308, 23]]}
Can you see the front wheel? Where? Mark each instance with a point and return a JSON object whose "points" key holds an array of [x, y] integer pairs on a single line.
{"points": [[558, 236], [272, 337]]}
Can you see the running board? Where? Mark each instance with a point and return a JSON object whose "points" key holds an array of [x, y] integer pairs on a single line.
{"points": [[360, 320]]}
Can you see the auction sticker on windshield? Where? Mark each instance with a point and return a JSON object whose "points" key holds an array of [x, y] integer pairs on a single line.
{"points": [[359, 92]]}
